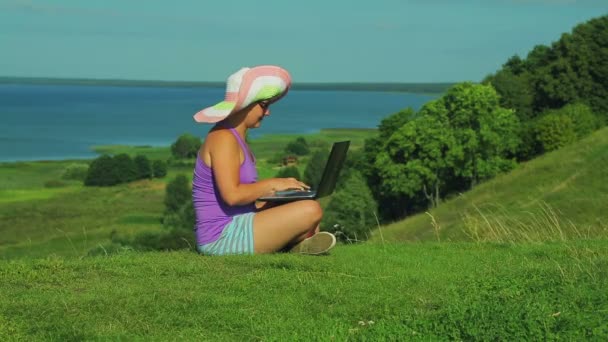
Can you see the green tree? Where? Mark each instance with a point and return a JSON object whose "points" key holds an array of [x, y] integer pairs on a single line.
{"points": [[554, 131], [126, 168], [159, 169], [289, 171], [76, 172], [350, 214], [315, 167], [486, 133], [390, 206], [583, 119], [186, 146], [298, 147], [419, 157], [177, 194], [102, 172], [515, 91], [143, 166]]}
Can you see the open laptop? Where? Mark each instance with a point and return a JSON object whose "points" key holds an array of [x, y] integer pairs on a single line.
{"points": [[326, 186]]}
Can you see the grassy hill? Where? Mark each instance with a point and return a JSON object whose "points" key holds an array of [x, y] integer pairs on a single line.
{"points": [[371, 292], [37, 220], [559, 196], [52, 289]]}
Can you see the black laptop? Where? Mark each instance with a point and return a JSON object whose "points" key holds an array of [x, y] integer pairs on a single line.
{"points": [[326, 186]]}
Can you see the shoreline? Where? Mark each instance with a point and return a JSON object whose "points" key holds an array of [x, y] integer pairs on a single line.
{"points": [[421, 88], [97, 150]]}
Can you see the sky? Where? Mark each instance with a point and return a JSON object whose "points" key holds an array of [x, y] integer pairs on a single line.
{"points": [[316, 40]]}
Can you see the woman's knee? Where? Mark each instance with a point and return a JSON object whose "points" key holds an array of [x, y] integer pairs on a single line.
{"points": [[312, 210]]}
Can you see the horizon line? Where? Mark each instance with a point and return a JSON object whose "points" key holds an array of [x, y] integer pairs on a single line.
{"points": [[4, 78]]}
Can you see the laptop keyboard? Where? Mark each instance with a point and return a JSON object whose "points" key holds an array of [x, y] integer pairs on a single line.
{"points": [[293, 193]]}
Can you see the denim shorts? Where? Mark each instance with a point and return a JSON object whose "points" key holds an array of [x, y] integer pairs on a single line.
{"points": [[236, 238]]}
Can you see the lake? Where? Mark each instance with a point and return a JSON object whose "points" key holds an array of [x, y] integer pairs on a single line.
{"points": [[47, 122]]}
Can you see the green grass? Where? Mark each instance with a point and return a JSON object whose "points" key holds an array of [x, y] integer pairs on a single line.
{"points": [[73, 221], [36, 221], [31, 175], [268, 145], [152, 152], [559, 196], [366, 293], [50, 289]]}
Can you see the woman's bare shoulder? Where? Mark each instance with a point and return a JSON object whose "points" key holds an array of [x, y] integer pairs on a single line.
{"points": [[220, 137]]}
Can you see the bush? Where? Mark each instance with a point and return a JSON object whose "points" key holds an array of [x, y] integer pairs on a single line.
{"points": [[159, 169], [582, 118], [143, 167], [186, 146], [314, 168], [350, 214], [54, 183], [183, 218], [554, 131], [289, 171], [102, 172], [126, 168], [298, 147], [177, 194], [75, 172]]}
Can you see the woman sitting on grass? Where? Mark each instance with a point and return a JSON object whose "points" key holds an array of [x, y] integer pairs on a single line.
{"points": [[229, 219]]}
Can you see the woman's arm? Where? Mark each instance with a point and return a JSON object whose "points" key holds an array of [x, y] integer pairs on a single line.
{"points": [[225, 162]]}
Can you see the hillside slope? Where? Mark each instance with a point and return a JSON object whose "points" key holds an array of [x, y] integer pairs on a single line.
{"points": [[369, 292], [558, 196]]}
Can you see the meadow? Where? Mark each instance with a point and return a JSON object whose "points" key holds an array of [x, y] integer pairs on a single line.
{"points": [[425, 278]]}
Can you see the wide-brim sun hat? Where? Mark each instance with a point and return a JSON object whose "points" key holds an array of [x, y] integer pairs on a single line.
{"points": [[247, 86]]}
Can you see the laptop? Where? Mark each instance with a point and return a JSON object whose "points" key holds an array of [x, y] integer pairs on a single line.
{"points": [[326, 186]]}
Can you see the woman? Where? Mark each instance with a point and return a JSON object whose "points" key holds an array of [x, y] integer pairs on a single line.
{"points": [[229, 219]]}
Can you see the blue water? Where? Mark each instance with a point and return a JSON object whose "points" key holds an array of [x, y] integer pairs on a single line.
{"points": [[45, 122]]}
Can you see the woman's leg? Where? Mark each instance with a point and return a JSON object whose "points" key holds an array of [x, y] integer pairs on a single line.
{"points": [[275, 228]]}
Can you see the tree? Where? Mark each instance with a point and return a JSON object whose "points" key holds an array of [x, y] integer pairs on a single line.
{"points": [[76, 172], [143, 166], [350, 214], [315, 167], [515, 92], [554, 131], [177, 193], [126, 168], [102, 172], [419, 157], [486, 133], [298, 147], [159, 169], [390, 206], [289, 171], [186, 146], [583, 119]]}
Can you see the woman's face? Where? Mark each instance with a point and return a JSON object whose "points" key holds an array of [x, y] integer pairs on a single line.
{"points": [[259, 111]]}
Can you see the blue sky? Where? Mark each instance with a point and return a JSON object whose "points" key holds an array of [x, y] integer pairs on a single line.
{"points": [[316, 40]]}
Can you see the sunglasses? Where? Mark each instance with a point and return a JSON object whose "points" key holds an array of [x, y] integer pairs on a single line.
{"points": [[264, 105]]}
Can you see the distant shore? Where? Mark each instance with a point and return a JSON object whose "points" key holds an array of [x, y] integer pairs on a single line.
{"points": [[417, 88]]}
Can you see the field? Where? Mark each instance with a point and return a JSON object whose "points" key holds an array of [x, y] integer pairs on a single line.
{"points": [[424, 291], [457, 273], [561, 195]]}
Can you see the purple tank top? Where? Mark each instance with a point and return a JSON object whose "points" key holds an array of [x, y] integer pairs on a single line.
{"points": [[212, 213]]}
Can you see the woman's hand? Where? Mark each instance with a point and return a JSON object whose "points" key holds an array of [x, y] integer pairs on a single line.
{"points": [[280, 184]]}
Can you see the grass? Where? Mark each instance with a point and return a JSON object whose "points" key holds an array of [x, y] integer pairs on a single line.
{"points": [[37, 221], [537, 268], [561, 195], [364, 292], [152, 152]]}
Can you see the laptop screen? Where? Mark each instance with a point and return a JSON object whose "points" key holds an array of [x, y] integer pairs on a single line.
{"points": [[334, 164]]}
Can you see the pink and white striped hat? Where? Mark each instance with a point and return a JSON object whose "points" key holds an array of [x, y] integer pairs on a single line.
{"points": [[247, 86]]}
